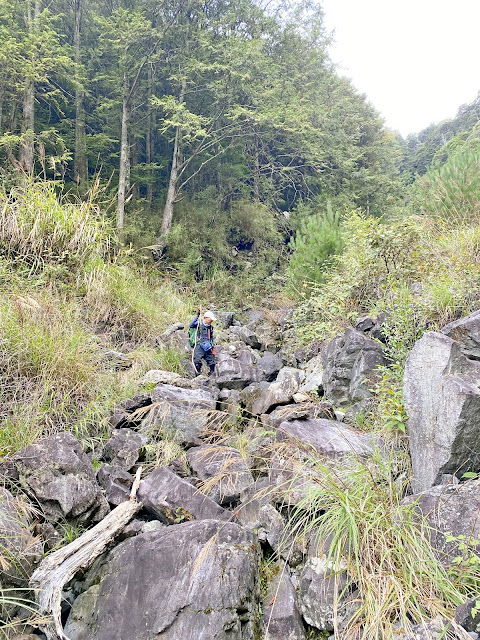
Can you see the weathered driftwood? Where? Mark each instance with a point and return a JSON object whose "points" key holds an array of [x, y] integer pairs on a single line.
{"points": [[60, 566]]}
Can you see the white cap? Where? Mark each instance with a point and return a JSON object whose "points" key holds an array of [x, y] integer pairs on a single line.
{"points": [[209, 314]]}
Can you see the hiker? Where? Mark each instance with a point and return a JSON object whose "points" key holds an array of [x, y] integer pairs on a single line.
{"points": [[202, 341]]}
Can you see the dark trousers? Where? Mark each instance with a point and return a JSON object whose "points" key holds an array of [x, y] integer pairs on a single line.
{"points": [[198, 354]]}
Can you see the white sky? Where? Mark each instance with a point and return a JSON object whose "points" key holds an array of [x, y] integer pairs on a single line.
{"points": [[416, 60]]}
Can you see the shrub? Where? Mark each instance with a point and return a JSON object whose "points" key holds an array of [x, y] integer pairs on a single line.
{"points": [[318, 238], [451, 192]]}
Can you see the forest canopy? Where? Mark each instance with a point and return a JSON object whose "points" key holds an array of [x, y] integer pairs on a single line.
{"points": [[180, 101]]}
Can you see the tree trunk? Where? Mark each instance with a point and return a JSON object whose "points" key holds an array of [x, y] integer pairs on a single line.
{"points": [[124, 171], [26, 155], [149, 141], [172, 183], [256, 174], [172, 187], [2, 93], [80, 167]]}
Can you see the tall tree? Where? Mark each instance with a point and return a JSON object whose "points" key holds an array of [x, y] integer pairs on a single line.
{"points": [[26, 154]]}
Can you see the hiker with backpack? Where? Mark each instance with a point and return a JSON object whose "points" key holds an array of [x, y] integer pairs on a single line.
{"points": [[201, 339]]}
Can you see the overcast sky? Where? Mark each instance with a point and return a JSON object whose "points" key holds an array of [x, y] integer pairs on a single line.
{"points": [[416, 60]]}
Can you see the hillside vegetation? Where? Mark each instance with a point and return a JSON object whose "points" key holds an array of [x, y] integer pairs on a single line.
{"points": [[157, 157]]}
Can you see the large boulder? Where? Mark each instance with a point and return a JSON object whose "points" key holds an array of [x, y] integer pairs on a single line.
{"points": [[222, 470], [246, 335], [328, 438], [193, 580], [19, 549], [279, 392], [172, 499], [326, 597], [117, 483], [313, 380], [235, 368], [466, 332], [291, 470], [123, 448], [183, 413], [452, 514], [58, 475], [350, 367], [281, 614], [301, 411], [442, 401], [158, 376], [252, 393], [125, 413], [270, 364]]}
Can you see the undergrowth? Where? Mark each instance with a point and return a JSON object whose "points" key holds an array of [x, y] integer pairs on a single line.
{"points": [[70, 295], [378, 543]]}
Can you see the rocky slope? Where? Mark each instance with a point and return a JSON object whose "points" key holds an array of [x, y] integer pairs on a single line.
{"points": [[192, 565]]}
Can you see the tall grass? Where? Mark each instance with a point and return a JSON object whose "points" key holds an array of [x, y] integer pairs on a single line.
{"points": [[37, 229], [132, 302], [69, 297], [382, 544]]}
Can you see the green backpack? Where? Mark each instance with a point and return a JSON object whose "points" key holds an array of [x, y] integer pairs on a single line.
{"points": [[192, 336]]}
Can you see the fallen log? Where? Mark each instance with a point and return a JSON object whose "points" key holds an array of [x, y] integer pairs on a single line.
{"points": [[59, 567]]}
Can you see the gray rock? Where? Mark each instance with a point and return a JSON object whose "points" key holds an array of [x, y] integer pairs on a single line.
{"points": [[365, 324], [235, 368], [350, 363], [181, 412], [194, 580], [442, 401], [172, 328], [138, 401], [466, 332], [321, 599], [247, 336], [270, 364], [124, 414], [300, 397], [252, 393], [123, 448], [451, 509], [257, 513], [298, 441], [177, 340], [222, 469], [229, 402], [158, 376], [313, 375], [327, 437], [116, 482], [303, 411], [59, 476], [171, 499], [152, 525], [19, 549], [225, 318], [281, 613], [429, 630], [117, 360], [466, 618], [269, 335], [279, 392]]}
